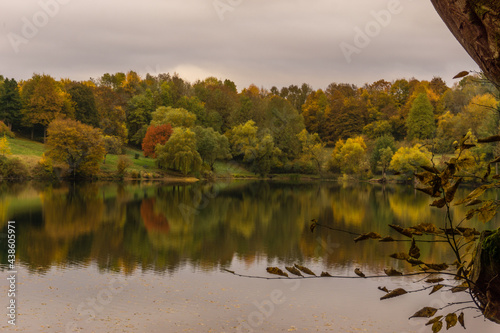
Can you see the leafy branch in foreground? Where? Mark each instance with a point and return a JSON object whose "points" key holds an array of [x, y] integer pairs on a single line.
{"points": [[442, 186], [467, 271]]}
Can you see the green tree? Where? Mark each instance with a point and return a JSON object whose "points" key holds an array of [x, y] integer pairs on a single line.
{"points": [[312, 148], [381, 143], [139, 110], [377, 129], [420, 122], [263, 156], [211, 145], [178, 117], [295, 95], [112, 115], [242, 138], [10, 104], [78, 145], [179, 152], [113, 81], [284, 123], [400, 92], [252, 106], [112, 145], [385, 159], [85, 104], [196, 107], [220, 98]]}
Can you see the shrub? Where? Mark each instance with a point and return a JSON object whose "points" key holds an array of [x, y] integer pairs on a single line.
{"points": [[44, 169], [123, 163], [13, 169], [5, 130]]}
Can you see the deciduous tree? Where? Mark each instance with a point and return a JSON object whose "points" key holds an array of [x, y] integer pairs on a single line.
{"points": [[78, 145], [176, 117], [313, 112], [4, 146], [242, 138], [179, 152], [85, 104], [407, 160], [381, 143], [44, 100], [312, 148], [211, 145], [421, 124], [156, 135], [349, 156]]}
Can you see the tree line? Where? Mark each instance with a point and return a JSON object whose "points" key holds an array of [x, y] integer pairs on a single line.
{"points": [[189, 126]]}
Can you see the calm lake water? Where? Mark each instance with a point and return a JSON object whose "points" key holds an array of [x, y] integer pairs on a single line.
{"points": [[150, 257]]}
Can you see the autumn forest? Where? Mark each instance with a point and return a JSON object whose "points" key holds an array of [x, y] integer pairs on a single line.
{"points": [[382, 127]]}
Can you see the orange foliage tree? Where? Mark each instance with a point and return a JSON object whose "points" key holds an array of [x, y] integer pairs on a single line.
{"points": [[155, 135]]}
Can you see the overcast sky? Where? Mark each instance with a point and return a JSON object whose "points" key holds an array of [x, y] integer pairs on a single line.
{"points": [[265, 42]]}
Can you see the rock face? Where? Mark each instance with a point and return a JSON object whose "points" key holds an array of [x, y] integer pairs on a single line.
{"points": [[476, 25], [486, 274]]}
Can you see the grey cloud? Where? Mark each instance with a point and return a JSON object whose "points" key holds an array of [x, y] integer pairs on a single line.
{"points": [[268, 43]]}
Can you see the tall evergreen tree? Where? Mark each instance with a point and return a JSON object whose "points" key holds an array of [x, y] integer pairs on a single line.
{"points": [[420, 121], [10, 104]]}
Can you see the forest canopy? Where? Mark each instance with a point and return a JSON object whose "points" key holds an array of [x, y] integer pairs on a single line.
{"points": [[293, 129]]}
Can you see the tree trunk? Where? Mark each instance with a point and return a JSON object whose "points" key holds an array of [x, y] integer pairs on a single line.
{"points": [[486, 273], [476, 25]]}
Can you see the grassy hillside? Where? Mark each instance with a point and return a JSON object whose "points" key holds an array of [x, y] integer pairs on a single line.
{"points": [[30, 153]]}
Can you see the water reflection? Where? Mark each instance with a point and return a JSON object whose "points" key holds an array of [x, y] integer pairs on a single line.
{"points": [[162, 228]]}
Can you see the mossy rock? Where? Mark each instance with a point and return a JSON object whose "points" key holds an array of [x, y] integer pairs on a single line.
{"points": [[491, 250], [486, 274]]}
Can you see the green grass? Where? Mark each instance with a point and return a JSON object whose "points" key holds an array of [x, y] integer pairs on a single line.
{"points": [[140, 164], [236, 171], [26, 147], [30, 153]]}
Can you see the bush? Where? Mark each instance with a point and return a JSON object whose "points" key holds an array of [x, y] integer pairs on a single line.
{"points": [[304, 167], [123, 163], [44, 170], [13, 169], [5, 130]]}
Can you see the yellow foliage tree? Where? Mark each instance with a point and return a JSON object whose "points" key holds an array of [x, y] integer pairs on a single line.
{"points": [[407, 160], [349, 157], [4, 146], [78, 145]]}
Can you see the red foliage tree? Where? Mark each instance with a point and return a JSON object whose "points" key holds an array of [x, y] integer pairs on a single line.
{"points": [[155, 135]]}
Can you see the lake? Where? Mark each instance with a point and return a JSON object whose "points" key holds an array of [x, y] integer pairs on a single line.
{"points": [[152, 257]]}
